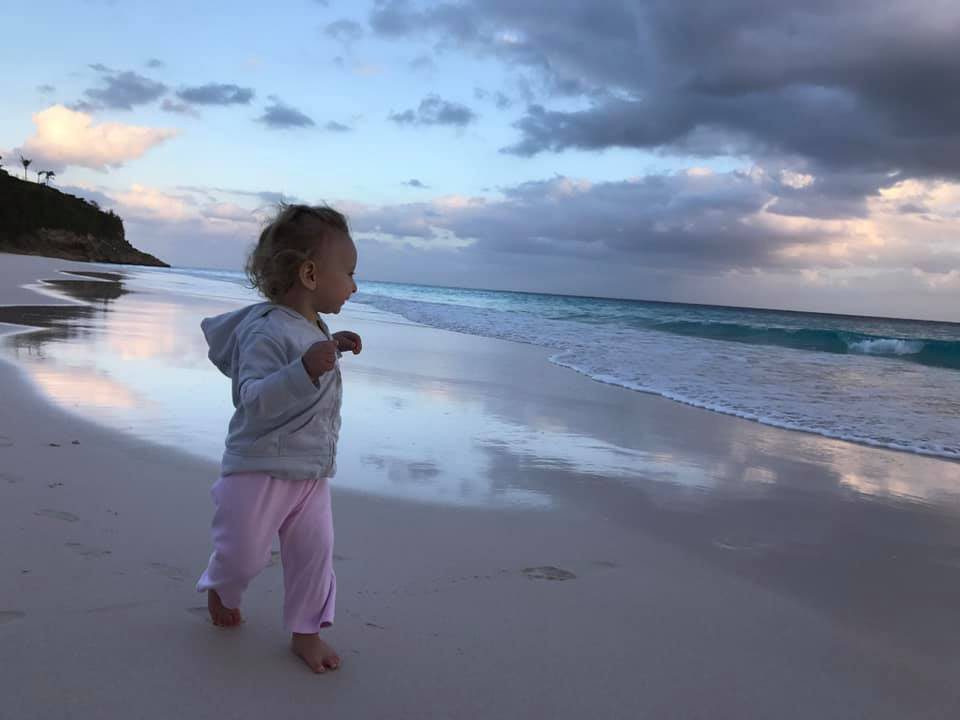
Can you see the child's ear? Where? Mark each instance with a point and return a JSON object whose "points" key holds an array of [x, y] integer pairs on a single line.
{"points": [[308, 274]]}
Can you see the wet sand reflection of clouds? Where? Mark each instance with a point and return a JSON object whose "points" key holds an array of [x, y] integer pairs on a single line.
{"points": [[128, 359]]}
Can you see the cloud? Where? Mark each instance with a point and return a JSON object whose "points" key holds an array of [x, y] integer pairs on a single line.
{"points": [[848, 86], [498, 98], [271, 197], [123, 90], [46, 89], [694, 222], [433, 110], [172, 106], [414, 183], [66, 137], [141, 202], [279, 115], [423, 63], [180, 227], [155, 64], [333, 126], [85, 107], [216, 94], [345, 31]]}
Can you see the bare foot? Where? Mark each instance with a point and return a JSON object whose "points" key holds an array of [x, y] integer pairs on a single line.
{"points": [[318, 656], [219, 613]]}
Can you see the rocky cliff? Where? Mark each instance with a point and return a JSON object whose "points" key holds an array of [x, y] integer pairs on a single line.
{"points": [[40, 220]]}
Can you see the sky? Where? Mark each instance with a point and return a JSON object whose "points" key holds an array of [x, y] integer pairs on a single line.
{"points": [[751, 152]]}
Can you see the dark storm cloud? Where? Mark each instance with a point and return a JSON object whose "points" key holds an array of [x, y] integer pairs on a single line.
{"points": [[433, 110], [861, 86], [216, 94], [122, 91], [279, 115], [828, 196], [662, 221]]}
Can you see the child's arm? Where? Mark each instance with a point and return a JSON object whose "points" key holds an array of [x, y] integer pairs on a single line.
{"points": [[268, 384]]}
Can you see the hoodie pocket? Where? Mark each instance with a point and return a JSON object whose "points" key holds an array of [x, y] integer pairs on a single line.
{"points": [[311, 438]]}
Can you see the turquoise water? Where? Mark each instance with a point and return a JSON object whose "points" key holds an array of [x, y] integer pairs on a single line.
{"points": [[880, 381]]}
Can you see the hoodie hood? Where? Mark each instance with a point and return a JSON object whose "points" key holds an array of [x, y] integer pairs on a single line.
{"points": [[223, 332]]}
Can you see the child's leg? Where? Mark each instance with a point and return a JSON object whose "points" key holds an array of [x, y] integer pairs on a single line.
{"points": [[306, 550], [249, 510]]}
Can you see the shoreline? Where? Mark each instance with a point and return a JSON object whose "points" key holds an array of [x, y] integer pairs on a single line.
{"points": [[767, 595], [546, 353]]}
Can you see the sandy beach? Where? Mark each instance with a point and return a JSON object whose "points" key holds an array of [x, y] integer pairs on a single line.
{"points": [[514, 540]]}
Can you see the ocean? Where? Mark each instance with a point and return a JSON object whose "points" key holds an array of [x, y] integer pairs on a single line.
{"points": [[879, 381], [882, 382]]}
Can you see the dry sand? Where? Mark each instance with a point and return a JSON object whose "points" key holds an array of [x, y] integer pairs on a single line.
{"points": [[788, 596]]}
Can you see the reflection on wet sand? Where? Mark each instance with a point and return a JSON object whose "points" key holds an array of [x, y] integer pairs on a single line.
{"points": [[870, 536], [132, 365]]}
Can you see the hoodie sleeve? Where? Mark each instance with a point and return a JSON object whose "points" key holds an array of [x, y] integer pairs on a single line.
{"points": [[267, 383]]}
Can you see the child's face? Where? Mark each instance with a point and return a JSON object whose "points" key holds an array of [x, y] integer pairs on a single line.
{"points": [[337, 262]]}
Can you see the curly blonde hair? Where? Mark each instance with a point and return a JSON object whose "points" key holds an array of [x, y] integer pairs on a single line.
{"points": [[292, 237]]}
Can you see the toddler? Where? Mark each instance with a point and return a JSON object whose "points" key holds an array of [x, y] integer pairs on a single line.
{"points": [[281, 443]]}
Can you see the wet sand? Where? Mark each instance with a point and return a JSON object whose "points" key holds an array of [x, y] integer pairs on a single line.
{"points": [[513, 539]]}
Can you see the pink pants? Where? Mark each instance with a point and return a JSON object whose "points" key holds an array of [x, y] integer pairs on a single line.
{"points": [[251, 509]]}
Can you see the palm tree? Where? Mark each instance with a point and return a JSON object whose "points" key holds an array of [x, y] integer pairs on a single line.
{"points": [[50, 176], [26, 164]]}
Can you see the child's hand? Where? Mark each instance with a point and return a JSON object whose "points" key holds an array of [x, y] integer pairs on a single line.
{"points": [[320, 357], [348, 341]]}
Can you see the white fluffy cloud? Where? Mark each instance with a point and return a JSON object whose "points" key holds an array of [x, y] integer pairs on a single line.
{"points": [[68, 137]]}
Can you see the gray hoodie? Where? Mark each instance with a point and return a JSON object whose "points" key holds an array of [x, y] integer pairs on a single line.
{"points": [[284, 424]]}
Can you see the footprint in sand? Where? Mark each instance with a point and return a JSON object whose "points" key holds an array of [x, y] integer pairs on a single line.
{"points": [[605, 564], [170, 571], [548, 572], [57, 515], [87, 550], [10, 478], [5, 441], [7, 616]]}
